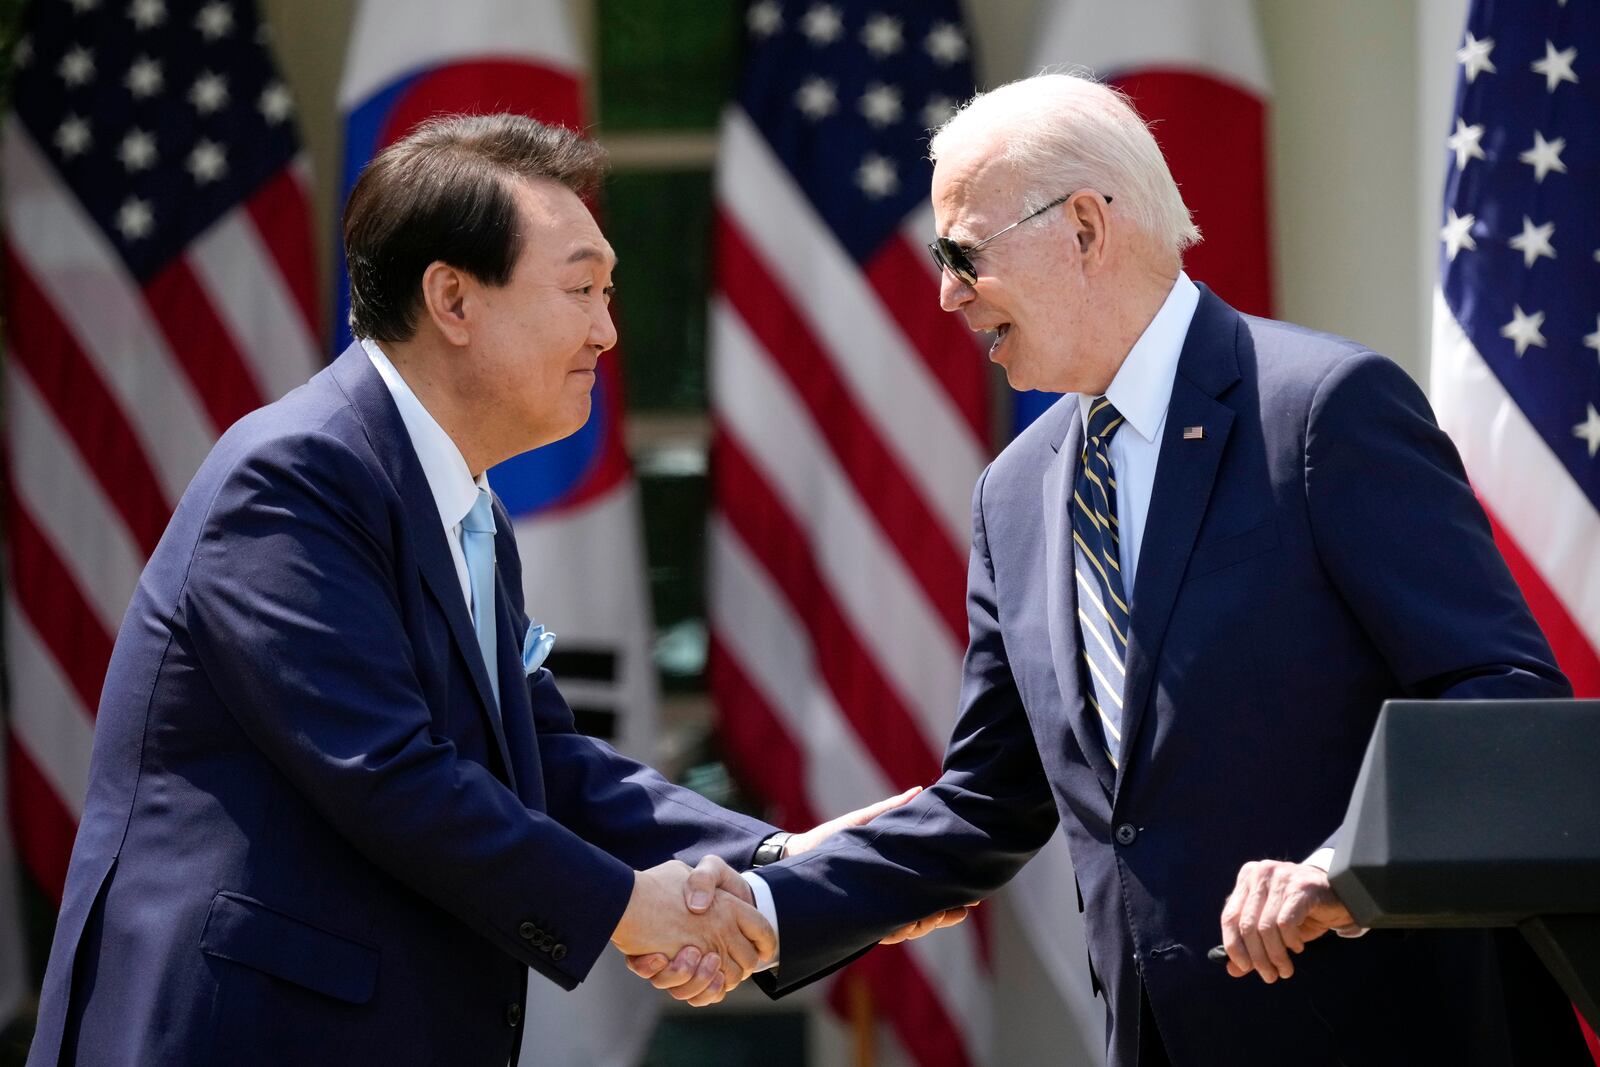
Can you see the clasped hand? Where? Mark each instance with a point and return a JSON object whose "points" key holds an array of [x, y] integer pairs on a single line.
{"points": [[703, 970], [723, 939]]}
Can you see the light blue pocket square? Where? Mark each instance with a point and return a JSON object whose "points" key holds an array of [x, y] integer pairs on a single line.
{"points": [[535, 647]]}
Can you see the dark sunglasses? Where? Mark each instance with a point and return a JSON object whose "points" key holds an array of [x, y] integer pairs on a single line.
{"points": [[948, 255]]}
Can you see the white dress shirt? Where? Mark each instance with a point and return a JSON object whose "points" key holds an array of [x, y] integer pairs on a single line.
{"points": [[1141, 392], [454, 489]]}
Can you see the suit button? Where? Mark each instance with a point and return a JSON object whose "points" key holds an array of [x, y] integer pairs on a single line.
{"points": [[528, 931], [558, 953], [543, 944], [1126, 834], [513, 1014]]}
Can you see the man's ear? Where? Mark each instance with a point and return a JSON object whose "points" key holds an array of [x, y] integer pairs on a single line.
{"points": [[444, 300], [1091, 223]]}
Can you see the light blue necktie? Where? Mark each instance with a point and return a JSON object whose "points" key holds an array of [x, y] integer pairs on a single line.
{"points": [[477, 544]]}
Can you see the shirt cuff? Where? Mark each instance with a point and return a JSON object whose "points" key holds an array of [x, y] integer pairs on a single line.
{"points": [[769, 911], [1322, 859]]}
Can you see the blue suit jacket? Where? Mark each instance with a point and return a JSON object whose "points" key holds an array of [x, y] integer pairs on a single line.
{"points": [[1317, 550], [307, 837]]}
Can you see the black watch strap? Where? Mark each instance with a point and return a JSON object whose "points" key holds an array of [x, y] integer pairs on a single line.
{"points": [[771, 850]]}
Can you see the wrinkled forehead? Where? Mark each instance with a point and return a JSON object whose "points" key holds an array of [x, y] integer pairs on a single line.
{"points": [[974, 188]]}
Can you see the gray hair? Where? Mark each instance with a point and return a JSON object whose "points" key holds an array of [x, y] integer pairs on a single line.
{"points": [[1067, 132]]}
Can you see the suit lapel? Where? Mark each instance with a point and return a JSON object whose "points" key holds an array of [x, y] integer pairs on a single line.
{"points": [[516, 713], [387, 433], [1061, 596], [1185, 474]]}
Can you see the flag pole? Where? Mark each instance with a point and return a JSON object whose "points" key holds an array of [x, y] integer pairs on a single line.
{"points": [[863, 1024]]}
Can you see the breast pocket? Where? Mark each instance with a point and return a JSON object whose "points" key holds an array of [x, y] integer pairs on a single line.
{"points": [[1211, 556]]}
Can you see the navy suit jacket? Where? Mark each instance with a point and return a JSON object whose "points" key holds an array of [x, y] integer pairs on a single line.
{"points": [[308, 838], [1314, 552]]}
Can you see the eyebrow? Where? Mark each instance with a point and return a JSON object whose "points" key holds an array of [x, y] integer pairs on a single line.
{"points": [[587, 252]]}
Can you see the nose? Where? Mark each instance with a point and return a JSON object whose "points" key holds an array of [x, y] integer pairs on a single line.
{"points": [[602, 331], [953, 292]]}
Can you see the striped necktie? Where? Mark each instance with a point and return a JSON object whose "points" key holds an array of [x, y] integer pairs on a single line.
{"points": [[1102, 605]]}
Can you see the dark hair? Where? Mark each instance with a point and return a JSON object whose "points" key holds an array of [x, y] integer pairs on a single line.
{"points": [[442, 193]]}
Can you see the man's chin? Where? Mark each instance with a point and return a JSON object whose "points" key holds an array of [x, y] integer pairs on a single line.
{"points": [[551, 433], [1018, 378]]}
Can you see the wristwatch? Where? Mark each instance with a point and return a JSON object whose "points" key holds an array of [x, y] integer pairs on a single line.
{"points": [[771, 850]]}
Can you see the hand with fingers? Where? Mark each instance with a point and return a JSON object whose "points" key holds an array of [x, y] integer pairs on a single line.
{"points": [[802, 843], [1275, 910], [713, 878], [712, 949], [685, 975], [937, 921]]}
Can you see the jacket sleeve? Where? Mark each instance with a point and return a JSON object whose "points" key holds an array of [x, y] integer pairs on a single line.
{"points": [[956, 842], [1408, 547], [1410, 550], [625, 807], [608, 799], [292, 608]]}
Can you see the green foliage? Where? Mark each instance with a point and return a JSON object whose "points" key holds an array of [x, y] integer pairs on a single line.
{"points": [[666, 65], [660, 224], [11, 12]]}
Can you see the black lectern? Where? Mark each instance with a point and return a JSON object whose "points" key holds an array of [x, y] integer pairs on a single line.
{"points": [[1483, 813]]}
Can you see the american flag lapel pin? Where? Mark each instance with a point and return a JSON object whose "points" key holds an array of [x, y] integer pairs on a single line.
{"points": [[1194, 433]]}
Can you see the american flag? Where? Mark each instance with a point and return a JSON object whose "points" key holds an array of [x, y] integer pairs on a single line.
{"points": [[1516, 354], [1516, 349], [850, 423], [158, 284]]}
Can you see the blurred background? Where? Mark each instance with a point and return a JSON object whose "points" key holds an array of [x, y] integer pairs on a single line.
{"points": [[761, 535]]}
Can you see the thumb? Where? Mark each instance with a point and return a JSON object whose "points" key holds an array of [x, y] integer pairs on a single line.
{"points": [[710, 874], [754, 926], [647, 966]]}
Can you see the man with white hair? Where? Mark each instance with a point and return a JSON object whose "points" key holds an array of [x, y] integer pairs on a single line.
{"points": [[1193, 582]]}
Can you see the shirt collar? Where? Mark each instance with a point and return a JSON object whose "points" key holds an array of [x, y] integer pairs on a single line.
{"points": [[454, 488], [1142, 388]]}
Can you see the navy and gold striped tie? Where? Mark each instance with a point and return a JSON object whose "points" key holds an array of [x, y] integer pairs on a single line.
{"points": [[1102, 604]]}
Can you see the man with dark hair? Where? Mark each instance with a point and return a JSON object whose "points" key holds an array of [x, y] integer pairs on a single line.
{"points": [[333, 814]]}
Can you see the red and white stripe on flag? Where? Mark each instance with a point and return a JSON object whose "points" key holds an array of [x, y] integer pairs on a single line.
{"points": [[850, 424], [1197, 73], [158, 284]]}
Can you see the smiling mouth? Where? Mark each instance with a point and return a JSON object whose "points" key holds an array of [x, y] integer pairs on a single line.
{"points": [[1000, 332]]}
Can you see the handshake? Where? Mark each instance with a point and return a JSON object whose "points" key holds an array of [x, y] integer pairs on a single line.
{"points": [[696, 932]]}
